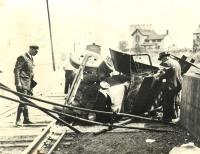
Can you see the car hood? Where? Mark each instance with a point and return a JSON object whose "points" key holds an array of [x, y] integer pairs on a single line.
{"points": [[124, 63]]}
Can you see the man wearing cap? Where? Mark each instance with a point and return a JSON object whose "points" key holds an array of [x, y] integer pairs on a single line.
{"points": [[24, 82], [172, 84]]}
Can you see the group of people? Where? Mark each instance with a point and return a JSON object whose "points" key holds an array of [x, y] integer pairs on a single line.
{"points": [[24, 75]]}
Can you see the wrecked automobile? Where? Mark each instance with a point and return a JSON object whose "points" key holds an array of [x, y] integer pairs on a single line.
{"points": [[122, 83]]}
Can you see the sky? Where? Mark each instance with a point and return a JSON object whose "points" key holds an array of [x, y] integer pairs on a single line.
{"points": [[76, 23]]}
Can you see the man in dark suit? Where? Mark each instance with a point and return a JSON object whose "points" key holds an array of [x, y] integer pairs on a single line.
{"points": [[172, 84], [24, 82]]}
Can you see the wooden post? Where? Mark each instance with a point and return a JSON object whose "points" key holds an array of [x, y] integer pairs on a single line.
{"points": [[49, 21]]}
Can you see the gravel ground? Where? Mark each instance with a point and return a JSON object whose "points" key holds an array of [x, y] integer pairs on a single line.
{"points": [[135, 142]]}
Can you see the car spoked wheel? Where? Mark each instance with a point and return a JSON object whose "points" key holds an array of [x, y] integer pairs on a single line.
{"points": [[92, 63]]}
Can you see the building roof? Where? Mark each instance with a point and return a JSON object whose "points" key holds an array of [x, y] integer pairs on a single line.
{"points": [[156, 37], [151, 34]]}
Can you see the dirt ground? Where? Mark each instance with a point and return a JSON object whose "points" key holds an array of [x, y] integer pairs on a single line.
{"points": [[135, 142]]}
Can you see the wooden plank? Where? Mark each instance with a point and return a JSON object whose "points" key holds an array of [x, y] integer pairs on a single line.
{"points": [[14, 145], [190, 106]]}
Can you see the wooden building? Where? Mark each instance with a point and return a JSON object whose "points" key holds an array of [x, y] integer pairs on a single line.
{"points": [[196, 40], [148, 39]]}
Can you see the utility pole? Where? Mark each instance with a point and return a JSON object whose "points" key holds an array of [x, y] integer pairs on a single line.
{"points": [[49, 21]]}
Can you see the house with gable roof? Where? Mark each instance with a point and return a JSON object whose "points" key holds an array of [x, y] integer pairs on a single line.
{"points": [[196, 40], [148, 39]]}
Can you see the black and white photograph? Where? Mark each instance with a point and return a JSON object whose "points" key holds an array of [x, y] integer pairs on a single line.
{"points": [[99, 77]]}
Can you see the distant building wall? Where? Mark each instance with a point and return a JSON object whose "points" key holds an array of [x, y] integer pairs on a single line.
{"points": [[149, 40], [196, 40], [155, 45], [138, 38], [190, 104]]}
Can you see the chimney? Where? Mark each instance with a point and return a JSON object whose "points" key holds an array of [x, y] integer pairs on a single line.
{"points": [[167, 32]]}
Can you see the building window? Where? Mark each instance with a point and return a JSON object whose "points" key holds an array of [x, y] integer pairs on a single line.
{"points": [[146, 40], [197, 37], [159, 40], [137, 38], [153, 40], [137, 46]]}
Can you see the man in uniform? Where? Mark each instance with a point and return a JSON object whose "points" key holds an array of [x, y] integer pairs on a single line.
{"points": [[24, 82], [172, 84]]}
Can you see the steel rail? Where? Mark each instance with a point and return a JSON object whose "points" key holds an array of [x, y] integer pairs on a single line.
{"points": [[81, 109], [8, 112], [11, 108], [109, 128], [44, 110], [57, 142], [173, 56], [32, 147], [85, 120], [40, 108]]}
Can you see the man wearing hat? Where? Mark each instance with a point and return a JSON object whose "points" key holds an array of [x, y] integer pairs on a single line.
{"points": [[172, 84], [24, 82]]}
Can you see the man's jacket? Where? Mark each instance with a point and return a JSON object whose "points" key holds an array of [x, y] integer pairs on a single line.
{"points": [[24, 71], [175, 77]]}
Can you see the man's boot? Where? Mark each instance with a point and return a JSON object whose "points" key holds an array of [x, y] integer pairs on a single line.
{"points": [[19, 111], [26, 117]]}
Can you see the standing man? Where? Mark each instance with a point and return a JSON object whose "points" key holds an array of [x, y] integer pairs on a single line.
{"points": [[24, 82], [172, 84]]}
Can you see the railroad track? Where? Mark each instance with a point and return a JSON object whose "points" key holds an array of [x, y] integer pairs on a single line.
{"points": [[26, 140], [56, 138], [7, 109], [40, 137], [16, 139], [48, 140]]}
